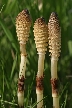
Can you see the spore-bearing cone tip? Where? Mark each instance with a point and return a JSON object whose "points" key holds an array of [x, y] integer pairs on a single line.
{"points": [[26, 11], [23, 24], [54, 32], [40, 20], [41, 34], [54, 14]]}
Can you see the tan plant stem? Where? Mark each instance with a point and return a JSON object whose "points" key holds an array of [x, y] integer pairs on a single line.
{"points": [[54, 82], [54, 61], [22, 76], [22, 66], [23, 60], [39, 88], [41, 64], [56, 102]]}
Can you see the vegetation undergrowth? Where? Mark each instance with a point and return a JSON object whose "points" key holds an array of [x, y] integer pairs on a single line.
{"points": [[10, 53]]}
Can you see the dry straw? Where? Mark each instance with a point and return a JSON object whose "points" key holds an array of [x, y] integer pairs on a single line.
{"points": [[54, 38], [23, 23], [41, 39]]}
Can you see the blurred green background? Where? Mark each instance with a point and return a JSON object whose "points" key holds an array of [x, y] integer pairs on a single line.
{"points": [[10, 53]]}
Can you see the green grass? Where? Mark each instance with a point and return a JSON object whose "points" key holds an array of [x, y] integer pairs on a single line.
{"points": [[10, 53]]}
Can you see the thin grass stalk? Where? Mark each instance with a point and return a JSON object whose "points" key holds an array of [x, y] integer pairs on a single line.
{"points": [[23, 23], [54, 32], [41, 38]]}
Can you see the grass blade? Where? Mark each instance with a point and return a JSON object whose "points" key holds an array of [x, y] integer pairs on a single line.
{"points": [[65, 99], [13, 67], [9, 36]]}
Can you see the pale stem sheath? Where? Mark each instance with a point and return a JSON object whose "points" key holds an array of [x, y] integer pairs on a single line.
{"points": [[56, 102], [21, 99], [41, 64], [22, 66], [54, 67], [22, 75], [39, 75], [54, 61], [23, 60], [39, 98]]}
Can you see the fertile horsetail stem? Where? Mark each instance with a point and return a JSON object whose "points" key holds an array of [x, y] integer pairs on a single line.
{"points": [[41, 39], [23, 23], [54, 38]]}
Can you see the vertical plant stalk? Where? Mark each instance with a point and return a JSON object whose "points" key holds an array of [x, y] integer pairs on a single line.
{"points": [[54, 38], [23, 23], [41, 39]]}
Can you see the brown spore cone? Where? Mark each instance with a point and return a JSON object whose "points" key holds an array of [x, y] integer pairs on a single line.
{"points": [[54, 32], [23, 24], [41, 35]]}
